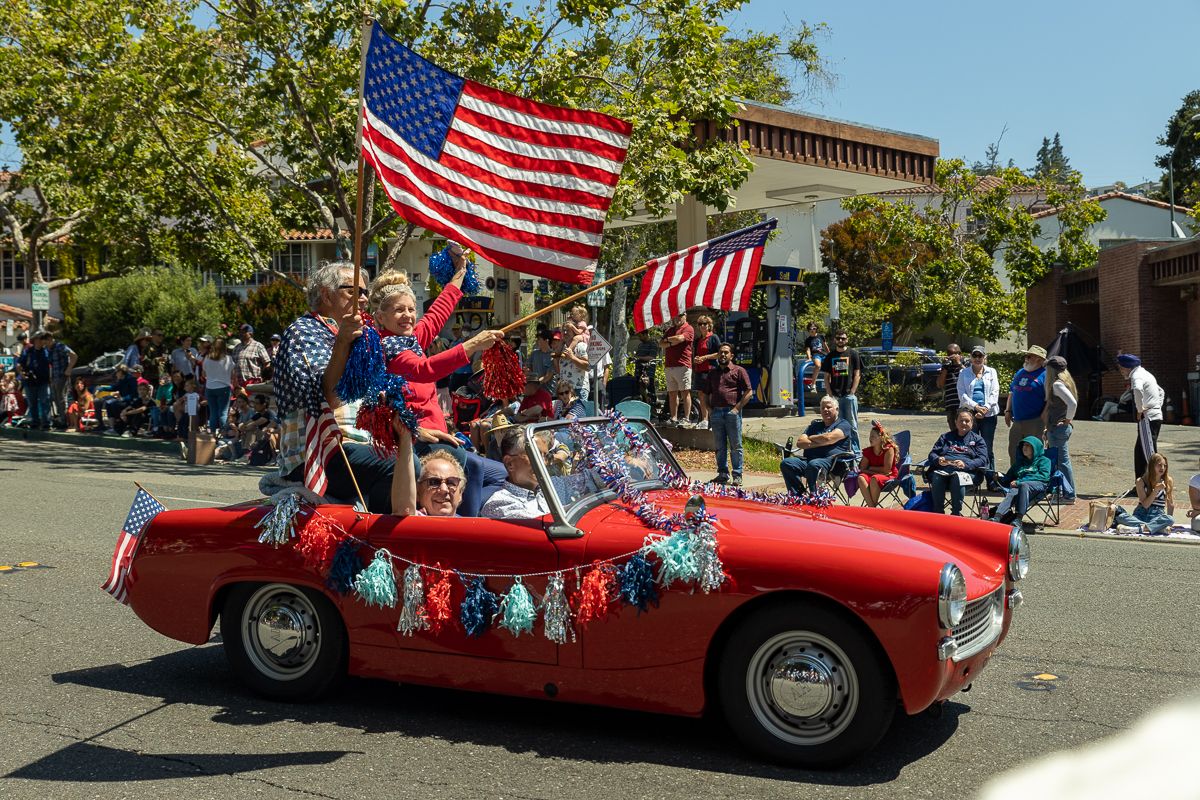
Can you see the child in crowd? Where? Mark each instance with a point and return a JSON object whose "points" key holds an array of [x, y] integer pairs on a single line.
{"points": [[8, 398], [1025, 482], [880, 464], [81, 413], [161, 418], [187, 408], [136, 415], [1156, 502]]}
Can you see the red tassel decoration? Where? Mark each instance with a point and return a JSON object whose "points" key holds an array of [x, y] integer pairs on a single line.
{"points": [[502, 376], [437, 600], [600, 589], [377, 421], [317, 543]]}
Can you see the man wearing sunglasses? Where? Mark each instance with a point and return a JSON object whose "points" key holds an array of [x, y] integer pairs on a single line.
{"points": [[437, 493], [845, 370]]}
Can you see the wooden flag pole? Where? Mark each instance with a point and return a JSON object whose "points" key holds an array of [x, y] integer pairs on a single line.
{"points": [[359, 233], [512, 326]]}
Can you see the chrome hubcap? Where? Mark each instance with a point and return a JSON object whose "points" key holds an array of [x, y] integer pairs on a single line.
{"points": [[281, 632], [802, 687]]}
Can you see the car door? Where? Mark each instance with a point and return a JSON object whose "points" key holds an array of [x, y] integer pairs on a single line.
{"points": [[470, 545]]}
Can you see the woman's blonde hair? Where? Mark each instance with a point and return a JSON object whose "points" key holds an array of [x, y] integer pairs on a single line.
{"points": [[388, 283], [1064, 376]]}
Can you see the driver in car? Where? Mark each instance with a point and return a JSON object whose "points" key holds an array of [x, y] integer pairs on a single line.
{"points": [[521, 496]]}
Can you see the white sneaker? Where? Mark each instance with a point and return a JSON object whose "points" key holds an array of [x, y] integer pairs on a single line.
{"points": [[126, 435], [702, 425]]}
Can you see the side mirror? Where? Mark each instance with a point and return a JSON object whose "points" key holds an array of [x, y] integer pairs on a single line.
{"points": [[695, 505]]}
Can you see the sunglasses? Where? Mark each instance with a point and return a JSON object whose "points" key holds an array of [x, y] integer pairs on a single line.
{"points": [[361, 291], [434, 482]]}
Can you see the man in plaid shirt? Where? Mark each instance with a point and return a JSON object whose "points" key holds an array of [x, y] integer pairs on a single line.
{"points": [[249, 357], [62, 361]]}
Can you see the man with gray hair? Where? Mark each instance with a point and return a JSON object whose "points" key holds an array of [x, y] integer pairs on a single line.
{"points": [[304, 353]]}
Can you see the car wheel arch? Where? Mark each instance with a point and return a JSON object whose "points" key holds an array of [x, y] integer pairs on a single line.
{"points": [[221, 591], [716, 645]]}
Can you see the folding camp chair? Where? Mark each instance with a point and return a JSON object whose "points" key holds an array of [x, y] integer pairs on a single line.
{"points": [[974, 499], [1048, 507], [904, 480], [834, 478]]}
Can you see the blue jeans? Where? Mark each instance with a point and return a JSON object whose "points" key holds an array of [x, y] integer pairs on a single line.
{"points": [[801, 472], [848, 410], [941, 480], [726, 425], [37, 397], [1155, 517], [986, 427], [1058, 436], [218, 407], [1018, 498]]}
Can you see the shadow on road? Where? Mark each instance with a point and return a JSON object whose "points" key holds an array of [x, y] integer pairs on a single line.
{"points": [[129, 461], [200, 677]]}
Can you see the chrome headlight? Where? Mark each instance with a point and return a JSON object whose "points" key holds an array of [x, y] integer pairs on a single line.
{"points": [[952, 596], [1018, 554]]}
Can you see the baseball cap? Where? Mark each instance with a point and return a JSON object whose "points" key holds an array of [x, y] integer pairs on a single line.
{"points": [[978, 349], [205, 339], [246, 327], [556, 336], [275, 337]]}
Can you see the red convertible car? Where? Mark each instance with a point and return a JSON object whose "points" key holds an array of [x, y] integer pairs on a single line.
{"points": [[827, 619]]}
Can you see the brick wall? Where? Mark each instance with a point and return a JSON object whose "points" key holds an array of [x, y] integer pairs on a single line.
{"points": [[1044, 308], [1124, 285]]}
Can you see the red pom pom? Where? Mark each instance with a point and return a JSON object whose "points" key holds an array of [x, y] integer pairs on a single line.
{"points": [[377, 421], [502, 376], [318, 541], [597, 594], [437, 600]]}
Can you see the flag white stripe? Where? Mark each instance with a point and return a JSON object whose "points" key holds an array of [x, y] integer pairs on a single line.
{"points": [[123, 547], [554, 257], [554, 180], [544, 204], [529, 150], [745, 257], [433, 196], [705, 281], [552, 126], [722, 280], [656, 272]]}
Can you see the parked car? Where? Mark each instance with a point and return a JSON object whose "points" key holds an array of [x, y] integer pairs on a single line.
{"points": [[100, 370], [876, 359], [804, 648]]}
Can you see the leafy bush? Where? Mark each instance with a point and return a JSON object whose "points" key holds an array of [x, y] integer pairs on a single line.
{"points": [[111, 311], [269, 308]]}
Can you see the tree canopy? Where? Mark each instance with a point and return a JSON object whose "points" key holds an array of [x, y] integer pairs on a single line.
{"points": [[1182, 139], [936, 263], [1052, 164]]}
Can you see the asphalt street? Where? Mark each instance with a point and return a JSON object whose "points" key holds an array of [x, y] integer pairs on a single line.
{"points": [[98, 705]]}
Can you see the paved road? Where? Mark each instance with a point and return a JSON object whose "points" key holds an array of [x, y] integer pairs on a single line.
{"points": [[98, 705]]}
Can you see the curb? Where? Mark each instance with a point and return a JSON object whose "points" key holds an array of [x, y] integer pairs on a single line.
{"points": [[93, 440], [1112, 537]]}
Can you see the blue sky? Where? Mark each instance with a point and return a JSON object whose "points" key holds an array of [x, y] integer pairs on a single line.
{"points": [[1106, 75]]}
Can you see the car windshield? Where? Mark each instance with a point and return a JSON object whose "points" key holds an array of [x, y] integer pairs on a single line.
{"points": [[573, 457]]}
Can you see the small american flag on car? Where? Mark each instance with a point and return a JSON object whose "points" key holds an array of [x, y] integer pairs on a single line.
{"points": [[144, 509]]}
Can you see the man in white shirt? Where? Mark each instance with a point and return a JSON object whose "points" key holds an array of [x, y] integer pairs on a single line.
{"points": [[1148, 403], [521, 496]]}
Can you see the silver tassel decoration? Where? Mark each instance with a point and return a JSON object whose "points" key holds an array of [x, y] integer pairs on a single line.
{"points": [[704, 547], [279, 524], [412, 612], [557, 611]]}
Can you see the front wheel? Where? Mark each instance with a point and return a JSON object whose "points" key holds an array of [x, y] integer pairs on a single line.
{"points": [[803, 685], [285, 642]]}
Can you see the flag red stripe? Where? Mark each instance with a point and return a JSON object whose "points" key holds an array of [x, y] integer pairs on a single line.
{"points": [[522, 134], [421, 177], [529, 163], [528, 188], [525, 106]]}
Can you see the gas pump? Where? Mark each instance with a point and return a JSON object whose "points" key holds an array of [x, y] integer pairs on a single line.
{"points": [[779, 333]]}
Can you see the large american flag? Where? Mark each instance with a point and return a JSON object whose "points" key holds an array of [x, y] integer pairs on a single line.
{"points": [[719, 273], [525, 184], [144, 509]]}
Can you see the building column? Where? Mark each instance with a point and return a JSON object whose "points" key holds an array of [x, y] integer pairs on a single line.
{"points": [[691, 222]]}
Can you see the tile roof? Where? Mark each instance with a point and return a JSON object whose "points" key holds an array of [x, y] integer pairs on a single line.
{"points": [[1136, 198], [16, 312], [317, 235], [986, 184]]}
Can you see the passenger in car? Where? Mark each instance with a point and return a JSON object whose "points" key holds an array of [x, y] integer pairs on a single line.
{"points": [[521, 496], [438, 492]]}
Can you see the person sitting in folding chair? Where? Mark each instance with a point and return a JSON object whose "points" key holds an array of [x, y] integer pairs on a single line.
{"points": [[954, 462], [1025, 482], [825, 443], [879, 466]]}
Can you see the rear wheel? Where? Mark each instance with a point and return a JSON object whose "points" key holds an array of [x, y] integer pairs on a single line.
{"points": [[285, 642], [802, 684]]}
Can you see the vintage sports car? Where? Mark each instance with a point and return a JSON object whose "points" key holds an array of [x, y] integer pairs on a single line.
{"points": [[806, 626]]}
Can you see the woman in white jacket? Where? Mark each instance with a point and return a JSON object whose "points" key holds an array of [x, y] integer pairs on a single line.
{"points": [[979, 391]]}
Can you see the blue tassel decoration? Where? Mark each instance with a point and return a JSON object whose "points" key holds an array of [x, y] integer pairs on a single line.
{"points": [[517, 611], [279, 524], [376, 584], [677, 560], [441, 268], [637, 583], [478, 608], [345, 567], [558, 611], [392, 386], [363, 368]]}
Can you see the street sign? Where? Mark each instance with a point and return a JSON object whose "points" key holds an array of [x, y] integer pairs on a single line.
{"points": [[41, 297], [886, 335], [598, 298], [598, 348]]}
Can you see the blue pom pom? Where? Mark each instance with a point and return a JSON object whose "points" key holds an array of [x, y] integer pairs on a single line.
{"points": [[345, 567], [478, 608], [637, 583], [363, 368], [441, 268]]}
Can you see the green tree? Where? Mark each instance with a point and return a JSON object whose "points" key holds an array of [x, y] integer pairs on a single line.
{"points": [[269, 308], [110, 312], [1052, 164], [936, 263], [1182, 139]]}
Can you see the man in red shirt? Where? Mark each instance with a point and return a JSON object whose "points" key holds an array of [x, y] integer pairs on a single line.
{"points": [[677, 341], [537, 404]]}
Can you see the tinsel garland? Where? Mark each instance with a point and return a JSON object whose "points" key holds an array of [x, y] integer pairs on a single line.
{"points": [[557, 612], [637, 583], [279, 524], [376, 585], [437, 600], [317, 543], [345, 567], [599, 589], [517, 610], [502, 376], [441, 269], [478, 608], [412, 613]]}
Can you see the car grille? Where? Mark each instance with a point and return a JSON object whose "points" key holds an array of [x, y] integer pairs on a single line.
{"points": [[980, 625]]}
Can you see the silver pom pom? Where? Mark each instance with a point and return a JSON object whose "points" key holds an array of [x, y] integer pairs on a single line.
{"points": [[704, 547], [412, 612], [279, 524], [557, 612]]}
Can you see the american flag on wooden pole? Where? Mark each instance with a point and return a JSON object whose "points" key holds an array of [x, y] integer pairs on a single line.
{"points": [[526, 185], [322, 437], [144, 509], [719, 274]]}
